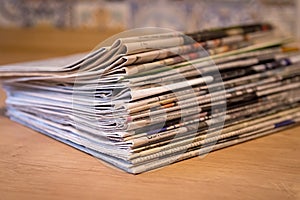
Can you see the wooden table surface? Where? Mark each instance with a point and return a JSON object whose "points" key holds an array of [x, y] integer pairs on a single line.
{"points": [[33, 166]]}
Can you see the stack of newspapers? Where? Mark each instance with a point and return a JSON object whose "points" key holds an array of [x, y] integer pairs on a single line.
{"points": [[155, 98]]}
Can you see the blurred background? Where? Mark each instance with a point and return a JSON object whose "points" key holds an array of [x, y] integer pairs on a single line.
{"points": [[34, 29], [182, 15]]}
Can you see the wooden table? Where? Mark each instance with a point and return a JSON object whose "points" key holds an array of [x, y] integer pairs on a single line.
{"points": [[33, 166]]}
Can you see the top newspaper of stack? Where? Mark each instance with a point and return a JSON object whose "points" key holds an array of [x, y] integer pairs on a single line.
{"points": [[133, 61], [127, 101]]}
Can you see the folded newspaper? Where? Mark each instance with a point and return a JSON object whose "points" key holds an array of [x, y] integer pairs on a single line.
{"points": [[150, 100]]}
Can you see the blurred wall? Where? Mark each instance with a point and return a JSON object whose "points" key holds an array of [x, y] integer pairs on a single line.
{"points": [[183, 15]]}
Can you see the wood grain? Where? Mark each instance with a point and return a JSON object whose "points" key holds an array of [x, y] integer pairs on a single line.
{"points": [[33, 166]]}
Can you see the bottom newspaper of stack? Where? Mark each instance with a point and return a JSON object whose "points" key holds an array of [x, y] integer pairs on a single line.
{"points": [[149, 101]]}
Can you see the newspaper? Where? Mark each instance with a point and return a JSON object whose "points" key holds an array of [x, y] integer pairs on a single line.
{"points": [[150, 100]]}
